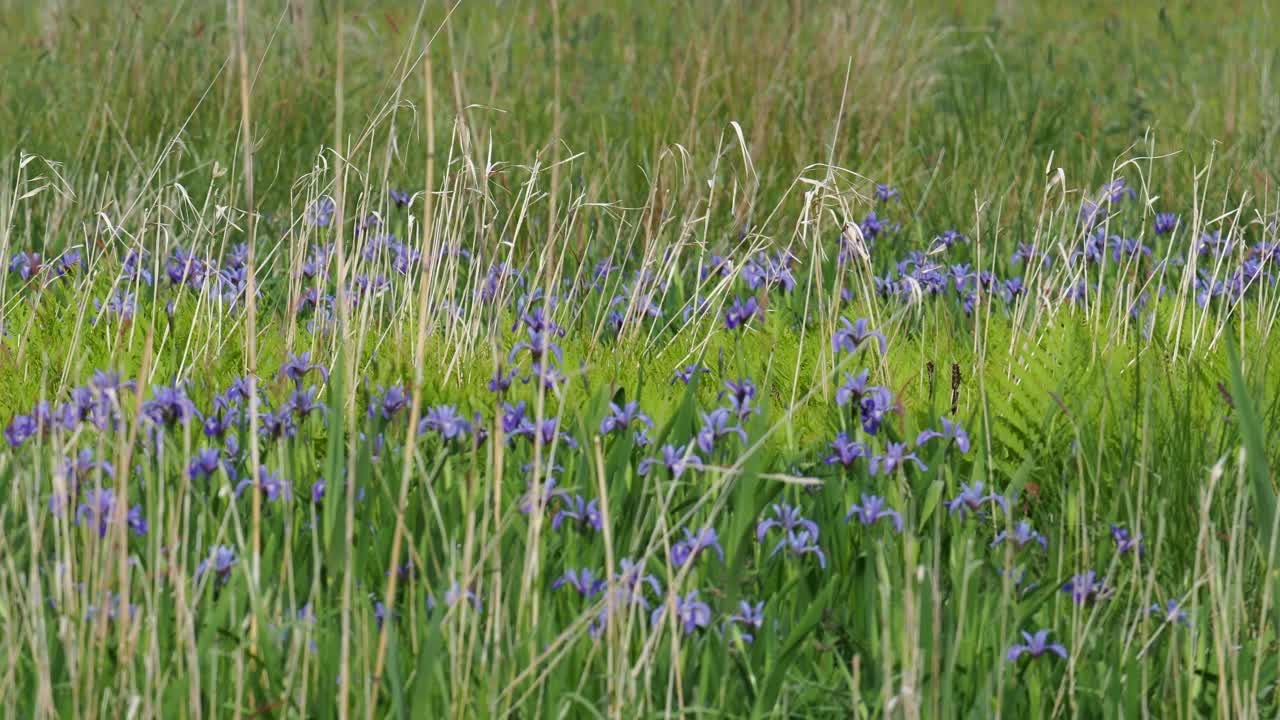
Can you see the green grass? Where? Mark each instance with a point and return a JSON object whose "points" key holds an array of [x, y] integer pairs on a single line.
{"points": [[653, 136]]}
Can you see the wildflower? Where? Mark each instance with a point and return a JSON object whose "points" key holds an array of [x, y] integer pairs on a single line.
{"points": [[948, 239], [631, 581], [884, 193], [799, 543], [388, 402], [1021, 536], [540, 497], [317, 491], [693, 545], [1171, 613], [741, 394], [400, 198], [895, 456], [445, 421], [685, 374], [849, 337], [1036, 645], [221, 559], [787, 519], [690, 612], [1125, 543], [876, 403], [844, 451], [501, 382], [276, 425], [1086, 589], [537, 346], [26, 264], [270, 483], [19, 430], [320, 212], [205, 463], [675, 459], [749, 616], [740, 313], [584, 581], [303, 402], [584, 515], [296, 367], [456, 592], [223, 419], [971, 499], [1165, 223], [168, 405], [873, 510], [621, 418], [852, 390], [121, 304], [716, 425], [951, 431], [100, 505]]}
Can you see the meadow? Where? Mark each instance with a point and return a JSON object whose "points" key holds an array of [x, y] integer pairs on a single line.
{"points": [[547, 359]]}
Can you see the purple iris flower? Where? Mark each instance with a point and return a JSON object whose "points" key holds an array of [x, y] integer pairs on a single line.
{"points": [[26, 264], [1034, 646], [584, 581], [1171, 612], [387, 403], [1165, 223], [715, 425], [971, 499], [121, 304], [675, 459], [584, 514], [205, 464], [20, 429], [845, 451], [456, 592], [691, 613], [621, 418], [885, 193], [852, 390], [693, 545], [741, 394], [800, 543], [400, 198], [786, 518], [276, 425], [951, 431], [303, 402], [876, 403], [872, 510], [1086, 588], [1125, 543], [272, 486], [750, 617], [501, 381], [686, 373], [221, 559], [740, 313], [632, 580], [849, 337], [100, 504], [895, 456], [168, 405], [317, 491], [948, 239], [222, 420], [539, 498], [320, 212], [1021, 537], [298, 366], [446, 421]]}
